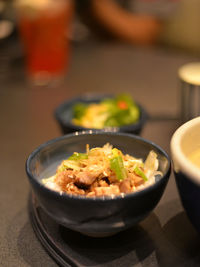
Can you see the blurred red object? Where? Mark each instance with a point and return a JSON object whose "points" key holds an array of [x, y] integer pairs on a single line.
{"points": [[44, 37]]}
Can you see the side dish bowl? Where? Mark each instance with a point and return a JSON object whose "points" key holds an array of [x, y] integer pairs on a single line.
{"points": [[95, 216], [184, 142], [64, 115]]}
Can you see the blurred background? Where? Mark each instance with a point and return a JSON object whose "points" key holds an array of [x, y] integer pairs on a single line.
{"points": [[165, 23], [171, 23], [107, 46], [111, 46]]}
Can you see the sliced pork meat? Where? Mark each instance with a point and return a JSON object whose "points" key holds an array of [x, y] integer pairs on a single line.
{"points": [[65, 177], [85, 178], [107, 191]]}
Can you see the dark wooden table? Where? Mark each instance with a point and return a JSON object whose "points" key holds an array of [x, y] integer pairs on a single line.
{"points": [[26, 119]]}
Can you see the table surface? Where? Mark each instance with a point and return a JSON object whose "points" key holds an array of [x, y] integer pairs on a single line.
{"points": [[150, 75]]}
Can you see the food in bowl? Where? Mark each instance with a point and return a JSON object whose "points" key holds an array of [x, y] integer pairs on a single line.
{"points": [[65, 115], [103, 171], [95, 216], [115, 111]]}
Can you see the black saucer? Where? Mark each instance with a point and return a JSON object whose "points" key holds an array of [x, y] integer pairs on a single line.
{"points": [[69, 248]]}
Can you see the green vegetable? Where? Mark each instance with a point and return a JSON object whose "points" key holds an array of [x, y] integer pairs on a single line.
{"points": [[72, 162], [140, 173], [119, 116], [125, 98], [69, 164], [117, 165], [62, 168], [79, 110], [78, 156], [120, 110]]}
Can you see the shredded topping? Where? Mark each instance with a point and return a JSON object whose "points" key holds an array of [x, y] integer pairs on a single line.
{"points": [[103, 171]]}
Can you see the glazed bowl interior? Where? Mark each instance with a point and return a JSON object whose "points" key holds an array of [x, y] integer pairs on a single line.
{"points": [[95, 216], [64, 115]]}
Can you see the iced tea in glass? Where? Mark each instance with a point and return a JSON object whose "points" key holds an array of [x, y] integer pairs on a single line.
{"points": [[44, 26]]}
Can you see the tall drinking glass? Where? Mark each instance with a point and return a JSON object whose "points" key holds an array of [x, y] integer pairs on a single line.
{"points": [[44, 26]]}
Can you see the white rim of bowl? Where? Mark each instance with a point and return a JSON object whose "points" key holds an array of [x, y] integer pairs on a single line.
{"points": [[183, 164]]}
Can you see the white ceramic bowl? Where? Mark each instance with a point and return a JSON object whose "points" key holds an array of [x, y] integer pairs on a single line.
{"points": [[186, 140]]}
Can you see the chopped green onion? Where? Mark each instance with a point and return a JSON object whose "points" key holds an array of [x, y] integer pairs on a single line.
{"points": [[140, 173], [78, 156], [69, 164], [62, 168], [116, 152], [117, 164]]}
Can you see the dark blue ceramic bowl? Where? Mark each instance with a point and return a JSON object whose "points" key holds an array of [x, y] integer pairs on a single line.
{"points": [[64, 115], [185, 140], [98, 216]]}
